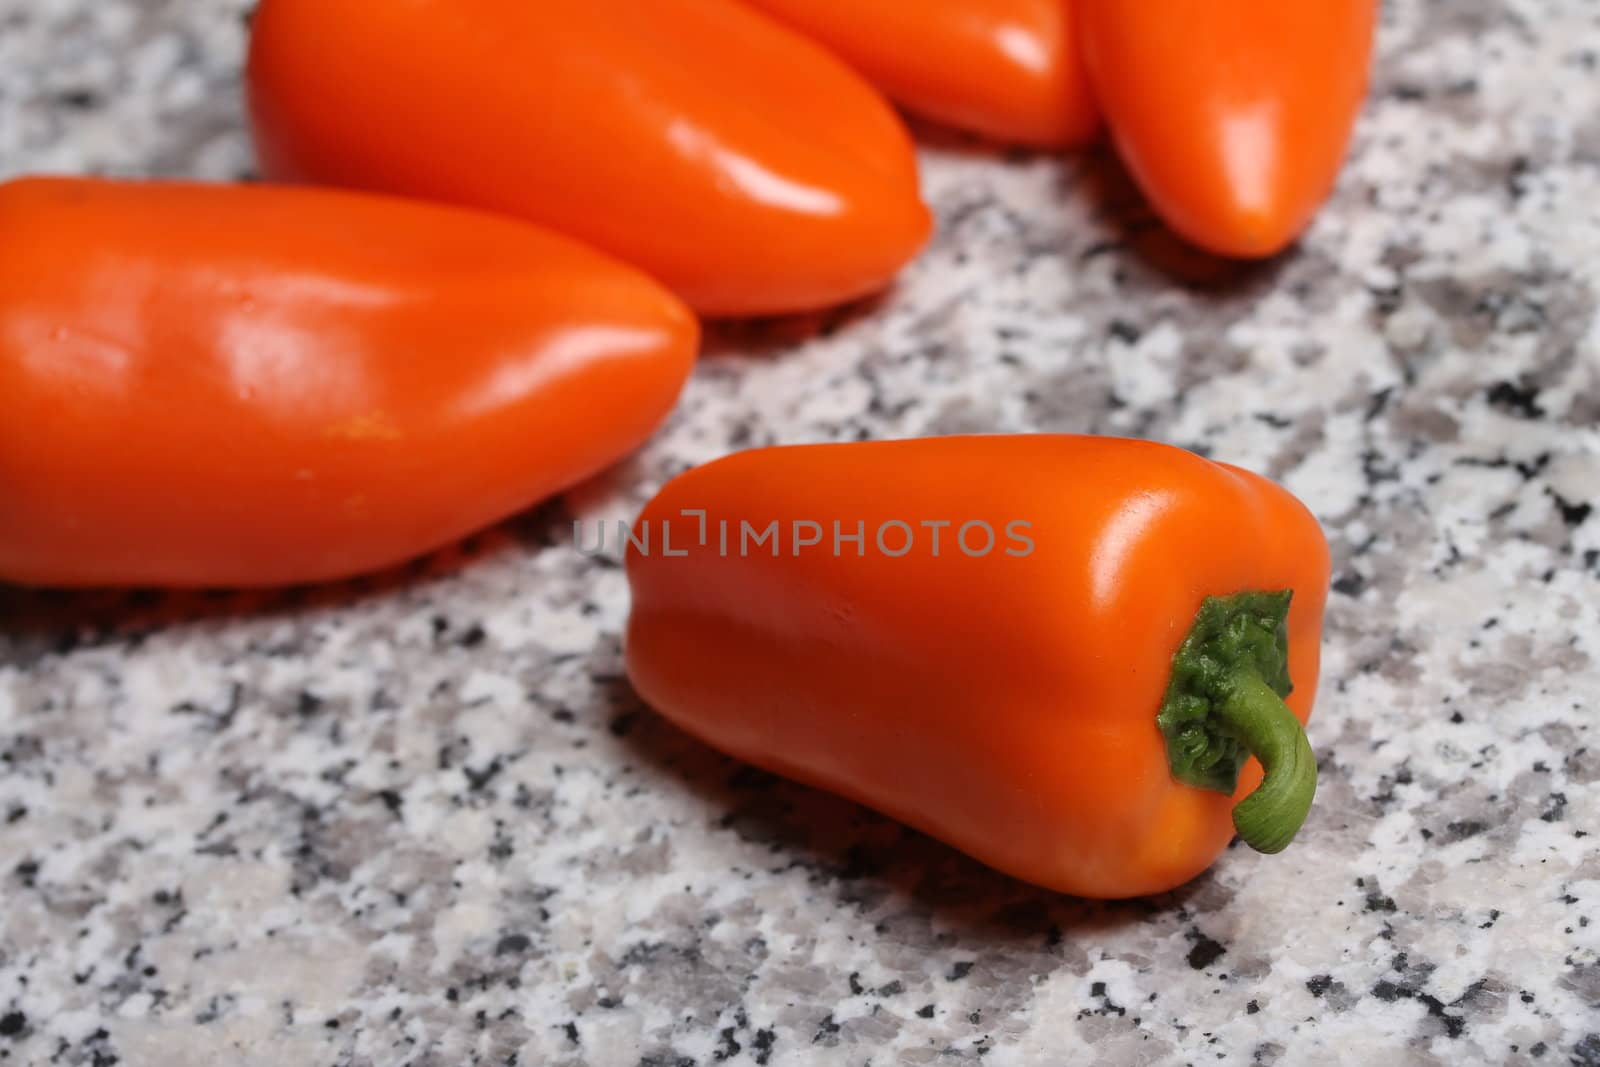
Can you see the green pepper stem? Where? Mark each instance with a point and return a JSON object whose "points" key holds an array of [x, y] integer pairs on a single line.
{"points": [[1269, 817]]}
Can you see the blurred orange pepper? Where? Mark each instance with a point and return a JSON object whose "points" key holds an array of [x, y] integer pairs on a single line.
{"points": [[1233, 115], [1007, 69], [248, 386], [1067, 656], [739, 163]]}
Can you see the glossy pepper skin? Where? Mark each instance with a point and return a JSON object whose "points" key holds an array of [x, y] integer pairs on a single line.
{"points": [[1017, 706], [726, 155], [1008, 69], [253, 386], [1233, 115]]}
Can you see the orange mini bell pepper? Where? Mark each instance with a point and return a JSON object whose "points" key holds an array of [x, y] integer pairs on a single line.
{"points": [[1008, 69], [728, 156], [1069, 657], [250, 386], [1233, 115]]}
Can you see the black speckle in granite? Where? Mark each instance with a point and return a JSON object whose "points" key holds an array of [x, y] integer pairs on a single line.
{"points": [[1204, 952], [959, 971], [1533, 469], [512, 944], [1267, 1053], [101, 1053], [1389, 992], [78, 99], [1125, 331], [27, 872], [727, 1046], [215, 1008], [1376, 471], [501, 847], [762, 1043], [1350, 584], [827, 1032], [1572, 513], [651, 953], [1251, 1008], [892, 989], [13, 1023], [22, 749], [1387, 785], [1464, 829], [1097, 990], [1519, 400], [478, 781], [925, 1012]]}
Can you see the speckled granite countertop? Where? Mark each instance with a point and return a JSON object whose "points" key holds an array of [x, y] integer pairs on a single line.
{"points": [[423, 821]]}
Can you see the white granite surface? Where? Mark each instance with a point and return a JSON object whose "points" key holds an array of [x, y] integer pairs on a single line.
{"points": [[423, 821]]}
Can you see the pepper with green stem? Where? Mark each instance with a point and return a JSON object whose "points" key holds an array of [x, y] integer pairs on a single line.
{"points": [[1070, 657]]}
